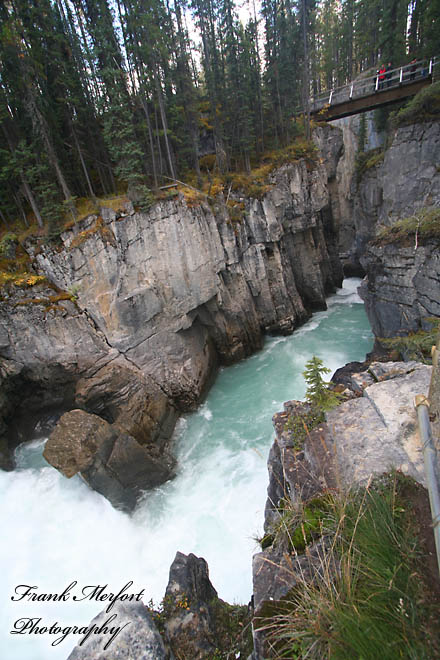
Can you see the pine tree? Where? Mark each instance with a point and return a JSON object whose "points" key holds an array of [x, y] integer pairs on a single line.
{"points": [[317, 392]]}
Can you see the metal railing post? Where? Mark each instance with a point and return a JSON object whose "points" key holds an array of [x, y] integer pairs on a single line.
{"points": [[401, 75], [429, 455]]}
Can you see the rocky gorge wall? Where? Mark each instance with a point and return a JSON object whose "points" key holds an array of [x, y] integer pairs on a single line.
{"points": [[150, 303], [402, 281]]}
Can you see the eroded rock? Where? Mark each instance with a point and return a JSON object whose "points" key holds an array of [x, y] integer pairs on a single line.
{"points": [[189, 602]]}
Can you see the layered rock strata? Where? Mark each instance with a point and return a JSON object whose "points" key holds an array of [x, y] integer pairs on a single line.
{"points": [[402, 287]]}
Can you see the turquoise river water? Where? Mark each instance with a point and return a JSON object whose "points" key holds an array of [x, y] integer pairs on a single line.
{"points": [[56, 531]]}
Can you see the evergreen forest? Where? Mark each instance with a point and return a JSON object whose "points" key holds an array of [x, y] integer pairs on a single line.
{"points": [[126, 97]]}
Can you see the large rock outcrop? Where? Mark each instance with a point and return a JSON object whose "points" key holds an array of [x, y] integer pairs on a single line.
{"points": [[154, 301], [403, 277], [173, 289], [390, 186]]}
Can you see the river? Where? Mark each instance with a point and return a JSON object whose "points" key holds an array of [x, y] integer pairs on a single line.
{"points": [[56, 530]]}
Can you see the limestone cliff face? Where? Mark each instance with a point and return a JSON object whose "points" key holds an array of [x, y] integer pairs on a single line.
{"points": [[406, 179], [350, 224], [402, 283], [160, 298], [402, 286], [174, 289]]}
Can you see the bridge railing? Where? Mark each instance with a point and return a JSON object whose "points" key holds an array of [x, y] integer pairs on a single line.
{"points": [[379, 82]]}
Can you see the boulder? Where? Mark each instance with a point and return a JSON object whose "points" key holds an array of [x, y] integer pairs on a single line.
{"points": [[111, 461], [138, 638], [378, 432]]}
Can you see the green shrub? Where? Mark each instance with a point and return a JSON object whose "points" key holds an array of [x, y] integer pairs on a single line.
{"points": [[7, 243], [366, 160], [416, 345], [424, 106]]}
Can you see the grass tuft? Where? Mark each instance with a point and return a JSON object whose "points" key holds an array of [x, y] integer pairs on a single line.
{"points": [[416, 345], [368, 598]]}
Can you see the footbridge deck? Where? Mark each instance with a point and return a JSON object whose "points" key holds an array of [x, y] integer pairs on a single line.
{"points": [[376, 91]]}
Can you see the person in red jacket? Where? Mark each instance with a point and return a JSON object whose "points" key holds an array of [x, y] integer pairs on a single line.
{"points": [[382, 73]]}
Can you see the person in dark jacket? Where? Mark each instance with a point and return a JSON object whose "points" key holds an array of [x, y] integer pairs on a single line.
{"points": [[389, 74]]}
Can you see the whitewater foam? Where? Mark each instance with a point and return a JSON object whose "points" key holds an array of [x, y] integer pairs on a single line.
{"points": [[57, 530]]}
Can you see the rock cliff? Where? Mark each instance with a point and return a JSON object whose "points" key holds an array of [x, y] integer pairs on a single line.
{"points": [[154, 301], [390, 184], [402, 287]]}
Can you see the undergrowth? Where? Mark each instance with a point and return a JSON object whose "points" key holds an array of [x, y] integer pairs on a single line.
{"points": [[368, 598], [423, 225], [416, 345], [424, 106], [366, 160], [254, 184]]}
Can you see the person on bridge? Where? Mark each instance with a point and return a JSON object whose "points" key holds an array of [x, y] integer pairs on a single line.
{"points": [[389, 75], [382, 72]]}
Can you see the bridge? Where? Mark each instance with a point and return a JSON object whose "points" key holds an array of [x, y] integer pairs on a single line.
{"points": [[374, 92]]}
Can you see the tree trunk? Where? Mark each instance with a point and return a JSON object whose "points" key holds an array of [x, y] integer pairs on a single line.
{"points": [[83, 165], [170, 155]]}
